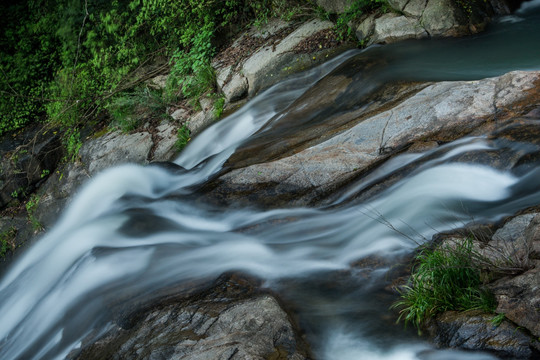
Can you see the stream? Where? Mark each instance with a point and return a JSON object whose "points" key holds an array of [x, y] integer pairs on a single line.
{"points": [[134, 231]]}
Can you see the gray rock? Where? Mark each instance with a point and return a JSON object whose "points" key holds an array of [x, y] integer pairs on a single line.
{"points": [[271, 63], [398, 5], [519, 299], [365, 29], [509, 247], [179, 115], [236, 88], [447, 109], [159, 82], [476, 331], [166, 147], [214, 326], [391, 28], [116, 148], [415, 8], [199, 122], [444, 18]]}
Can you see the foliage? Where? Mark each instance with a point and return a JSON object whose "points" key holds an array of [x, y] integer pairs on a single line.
{"points": [[31, 206], [183, 137], [6, 239], [218, 106], [68, 60], [355, 11], [444, 278]]}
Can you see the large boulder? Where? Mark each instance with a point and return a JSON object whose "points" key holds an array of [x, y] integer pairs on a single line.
{"points": [[440, 112], [228, 321], [261, 58]]}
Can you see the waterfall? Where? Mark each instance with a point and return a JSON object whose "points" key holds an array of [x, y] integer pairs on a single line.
{"points": [[134, 231]]}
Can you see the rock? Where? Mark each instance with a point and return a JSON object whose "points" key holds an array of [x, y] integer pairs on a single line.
{"points": [[433, 18], [159, 82], [116, 148], [391, 28], [509, 247], [365, 29], [335, 6], [180, 115], [166, 150], [111, 149], [440, 112], [235, 89], [475, 330], [444, 18], [518, 298], [415, 8], [207, 326], [271, 64], [398, 5], [199, 122]]}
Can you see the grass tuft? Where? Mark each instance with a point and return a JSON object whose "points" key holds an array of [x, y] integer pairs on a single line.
{"points": [[444, 278]]}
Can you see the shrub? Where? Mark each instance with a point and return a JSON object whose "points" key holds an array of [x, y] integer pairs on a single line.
{"points": [[444, 278]]}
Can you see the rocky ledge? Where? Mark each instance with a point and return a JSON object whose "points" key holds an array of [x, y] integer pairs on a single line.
{"points": [[231, 319]]}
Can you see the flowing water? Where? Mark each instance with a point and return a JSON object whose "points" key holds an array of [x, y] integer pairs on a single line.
{"points": [[134, 231]]}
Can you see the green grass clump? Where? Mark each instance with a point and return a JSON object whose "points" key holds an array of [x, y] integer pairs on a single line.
{"points": [[444, 278]]}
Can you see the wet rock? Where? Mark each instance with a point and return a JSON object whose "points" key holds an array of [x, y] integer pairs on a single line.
{"points": [[236, 324], [441, 112], [477, 331], [519, 299]]}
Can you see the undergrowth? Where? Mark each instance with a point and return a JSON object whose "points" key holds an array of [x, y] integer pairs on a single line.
{"points": [[65, 62]]}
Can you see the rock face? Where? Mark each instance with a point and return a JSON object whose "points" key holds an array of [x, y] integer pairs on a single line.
{"points": [[214, 325], [440, 112]]}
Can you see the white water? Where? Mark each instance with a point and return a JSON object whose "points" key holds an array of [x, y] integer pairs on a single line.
{"points": [[133, 231]]}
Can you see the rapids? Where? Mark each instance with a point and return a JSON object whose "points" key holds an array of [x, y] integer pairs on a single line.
{"points": [[134, 231]]}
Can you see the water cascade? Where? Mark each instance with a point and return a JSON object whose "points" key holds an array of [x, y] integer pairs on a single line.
{"points": [[134, 231]]}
